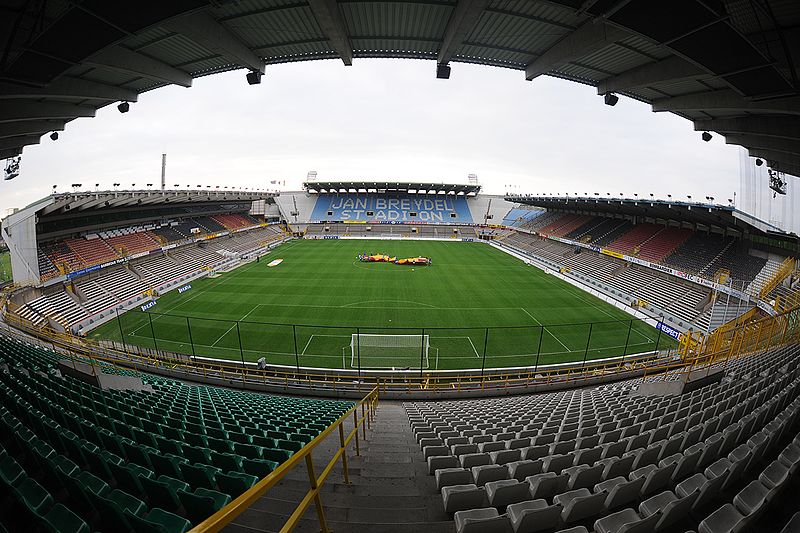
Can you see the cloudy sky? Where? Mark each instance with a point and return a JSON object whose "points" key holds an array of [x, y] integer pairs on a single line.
{"points": [[382, 119]]}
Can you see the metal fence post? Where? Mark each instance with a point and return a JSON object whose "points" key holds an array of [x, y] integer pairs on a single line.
{"points": [[241, 350], [152, 331], [421, 352], [485, 342], [658, 339], [189, 329], [358, 350], [296, 356], [539, 349], [588, 340], [628, 339]]}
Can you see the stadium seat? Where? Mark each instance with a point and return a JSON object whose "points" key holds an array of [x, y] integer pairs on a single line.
{"points": [[463, 497], [158, 520], [533, 515], [506, 491], [202, 503], [486, 520], [626, 521]]}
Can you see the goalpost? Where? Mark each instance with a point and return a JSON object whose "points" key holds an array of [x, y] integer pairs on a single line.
{"points": [[389, 351]]}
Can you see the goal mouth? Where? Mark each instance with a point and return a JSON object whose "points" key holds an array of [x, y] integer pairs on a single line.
{"points": [[389, 352]]}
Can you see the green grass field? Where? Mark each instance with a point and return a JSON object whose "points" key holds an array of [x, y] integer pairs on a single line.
{"points": [[5, 266], [472, 300]]}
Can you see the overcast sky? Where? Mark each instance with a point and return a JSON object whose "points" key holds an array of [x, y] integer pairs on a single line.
{"points": [[381, 119]]}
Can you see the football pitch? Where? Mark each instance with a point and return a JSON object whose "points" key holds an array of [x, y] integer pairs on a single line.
{"points": [[473, 307]]}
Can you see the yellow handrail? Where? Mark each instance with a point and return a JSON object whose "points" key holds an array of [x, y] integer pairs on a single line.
{"points": [[784, 270], [228, 513]]}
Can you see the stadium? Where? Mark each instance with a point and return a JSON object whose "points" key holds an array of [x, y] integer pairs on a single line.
{"points": [[403, 355]]}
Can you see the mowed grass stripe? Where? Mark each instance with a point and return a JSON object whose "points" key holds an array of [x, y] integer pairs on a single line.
{"points": [[488, 299]]}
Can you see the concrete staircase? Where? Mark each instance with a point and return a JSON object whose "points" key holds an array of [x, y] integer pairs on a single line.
{"points": [[390, 488]]}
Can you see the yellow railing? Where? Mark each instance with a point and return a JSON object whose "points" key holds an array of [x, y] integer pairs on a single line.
{"points": [[227, 514], [784, 271]]}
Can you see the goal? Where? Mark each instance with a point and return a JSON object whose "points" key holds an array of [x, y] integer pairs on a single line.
{"points": [[389, 351]]}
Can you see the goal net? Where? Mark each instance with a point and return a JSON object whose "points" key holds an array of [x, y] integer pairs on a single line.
{"points": [[389, 351]]}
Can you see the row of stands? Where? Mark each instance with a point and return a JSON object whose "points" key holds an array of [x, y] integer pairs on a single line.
{"points": [[681, 248], [110, 287], [235, 221], [78, 458], [682, 299], [438, 231], [521, 215], [608, 460], [79, 253]]}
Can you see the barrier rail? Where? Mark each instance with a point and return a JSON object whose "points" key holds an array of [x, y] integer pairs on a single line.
{"points": [[227, 514]]}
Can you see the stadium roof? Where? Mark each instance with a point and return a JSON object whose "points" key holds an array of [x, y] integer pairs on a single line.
{"points": [[410, 187], [727, 65], [709, 215]]}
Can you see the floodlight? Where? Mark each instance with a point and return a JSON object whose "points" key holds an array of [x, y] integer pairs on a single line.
{"points": [[124, 107], [706, 136], [54, 136], [611, 99], [443, 72], [254, 77], [759, 162]]}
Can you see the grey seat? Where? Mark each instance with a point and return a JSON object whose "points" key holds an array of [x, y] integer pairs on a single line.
{"points": [[486, 520], [503, 457], [584, 476], [547, 484], [656, 477], [557, 463], [462, 497], [433, 451], [752, 498], [486, 447], [707, 489], [520, 470], [620, 491], [471, 460], [534, 452], [485, 473], [442, 461], [452, 476], [507, 491], [626, 521], [588, 456], [579, 504], [672, 508], [533, 515], [726, 519], [617, 466], [463, 449]]}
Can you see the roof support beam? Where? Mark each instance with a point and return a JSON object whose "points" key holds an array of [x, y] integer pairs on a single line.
{"points": [[330, 21], [727, 101], [766, 143], [782, 127], [464, 18], [204, 30], [18, 142], [11, 152], [590, 36], [66, 87], [779, 159], [669, 69], [121, 59], [26, 110], [27, 127]]}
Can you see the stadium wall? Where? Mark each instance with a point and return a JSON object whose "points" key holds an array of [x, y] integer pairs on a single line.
{"points": [[395, 208]]}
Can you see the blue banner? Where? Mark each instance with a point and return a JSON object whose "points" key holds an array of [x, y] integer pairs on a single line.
{"points": [[148, 305], [669, 330], [185, 288], [397, 208]]}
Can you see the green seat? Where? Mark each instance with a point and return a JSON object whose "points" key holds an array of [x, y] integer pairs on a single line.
{"points": [[227, 461], [248, 450], [162, 492], [219, 445], [241, 438], [61, 520], [127, 477], [11, 472], [264, 441], [235, 483], [136, 453], [199, 475], [258, 467], [127, 503], [92, 483], [195, 439], [203, 503], [33, 496], [167, 465], [166, 446], [112, 515], [291, 445], [197, 455], [276, 454], [159, 521]]}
